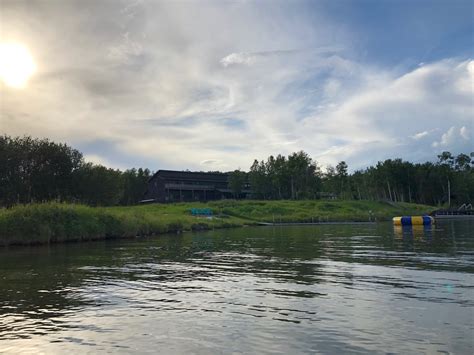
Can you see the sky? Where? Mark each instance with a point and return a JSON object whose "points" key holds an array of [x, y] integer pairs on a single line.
{"points": [[213, 85]]}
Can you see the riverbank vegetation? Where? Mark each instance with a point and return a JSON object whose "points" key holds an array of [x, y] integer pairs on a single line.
{"points": [[315, 211], [38, 170], [57, 222], [450, 180], [49, 193]]}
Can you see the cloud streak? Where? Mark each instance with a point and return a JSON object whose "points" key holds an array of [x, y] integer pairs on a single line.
{"points": [[172, 85], [250, 58]]}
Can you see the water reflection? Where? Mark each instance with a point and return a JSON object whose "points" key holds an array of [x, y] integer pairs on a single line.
{"points": [[311, 289], [417, 231]]}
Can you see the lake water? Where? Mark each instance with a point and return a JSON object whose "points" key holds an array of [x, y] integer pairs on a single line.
{"points": [[312, 289]]}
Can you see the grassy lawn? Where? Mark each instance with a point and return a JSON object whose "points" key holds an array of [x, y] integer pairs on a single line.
{"points": [[54, 222]]}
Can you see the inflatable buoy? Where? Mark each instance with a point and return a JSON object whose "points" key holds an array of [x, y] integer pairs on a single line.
{"points": [[413, 221]]}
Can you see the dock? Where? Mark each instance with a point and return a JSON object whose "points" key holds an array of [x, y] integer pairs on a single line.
{"points": [[312, 223]]}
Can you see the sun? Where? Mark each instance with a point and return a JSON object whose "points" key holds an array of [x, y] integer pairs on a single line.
{"points": [[16, 65]]}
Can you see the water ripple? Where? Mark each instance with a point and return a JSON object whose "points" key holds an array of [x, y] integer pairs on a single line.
{"points": [[334, 289]]}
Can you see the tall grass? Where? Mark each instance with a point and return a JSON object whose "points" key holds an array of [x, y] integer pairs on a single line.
{"points": [[55, 222], [318, 210]]}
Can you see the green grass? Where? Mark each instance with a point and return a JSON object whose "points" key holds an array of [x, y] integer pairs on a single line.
{"points": [[317, 210], [54, 222]]}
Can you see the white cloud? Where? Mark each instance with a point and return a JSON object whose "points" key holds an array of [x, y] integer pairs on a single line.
{"points": [[454, 138], [420, 135], [464, 132], [99, 160], [238, 58], [470, 67], [191, 86], [125, 49], [249, 58], [447, 138], [411, 105]]}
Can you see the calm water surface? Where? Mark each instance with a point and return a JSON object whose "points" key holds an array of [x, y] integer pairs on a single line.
{"points": [[318, 289]]}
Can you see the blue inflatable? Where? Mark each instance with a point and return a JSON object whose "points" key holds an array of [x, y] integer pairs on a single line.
{"points": [[413, 221]]}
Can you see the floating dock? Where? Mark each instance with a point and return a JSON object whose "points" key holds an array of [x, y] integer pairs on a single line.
{"points": [[309, 223]]}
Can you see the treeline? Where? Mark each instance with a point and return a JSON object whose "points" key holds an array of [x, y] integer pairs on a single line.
{"points": [[450, 179], [38, 170], [296, 177]]}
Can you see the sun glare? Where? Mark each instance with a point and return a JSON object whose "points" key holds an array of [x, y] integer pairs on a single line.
{"points": [[16, 65]]}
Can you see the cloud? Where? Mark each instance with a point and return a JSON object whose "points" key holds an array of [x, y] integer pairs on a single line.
{"points": [[465, 133], [125, 50], [414, 104], [210, 162], [420, 135], [454, 137], [252, 58], [214, 165], [194, 85], [99, 160], [249, 58], [238, 58]]}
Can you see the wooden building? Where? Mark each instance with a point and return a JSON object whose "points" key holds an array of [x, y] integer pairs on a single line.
{"points": [[178, 186]]}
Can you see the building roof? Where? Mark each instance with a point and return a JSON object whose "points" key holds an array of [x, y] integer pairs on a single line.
{"points": [[175, 174]]}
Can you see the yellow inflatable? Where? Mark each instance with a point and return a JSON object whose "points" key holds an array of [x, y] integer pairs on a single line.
{"points": [[413, 221]]}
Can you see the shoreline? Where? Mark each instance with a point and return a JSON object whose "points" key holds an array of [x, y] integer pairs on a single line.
{"points": [[49, 223], [263, 224]]}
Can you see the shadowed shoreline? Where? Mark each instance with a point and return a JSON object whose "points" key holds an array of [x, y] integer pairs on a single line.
{"points": [[54, 222]]}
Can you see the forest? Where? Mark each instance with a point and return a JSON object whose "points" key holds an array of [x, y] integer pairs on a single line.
{"points": [[450, 180], [39, 170]]}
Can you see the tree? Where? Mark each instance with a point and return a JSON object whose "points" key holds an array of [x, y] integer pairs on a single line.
{"points": [[341, 173], [237, 180], [97, 185], [134, 185], [35, 170], [462, 162], [258, 179], [446, 158], [40, 170], [297, 170]]}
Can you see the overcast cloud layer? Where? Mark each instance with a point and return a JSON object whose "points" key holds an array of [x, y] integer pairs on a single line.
{"points": [[213, 85]]}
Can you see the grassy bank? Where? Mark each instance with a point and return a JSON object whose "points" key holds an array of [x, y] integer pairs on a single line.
{"points": [[53, 222], [317, 210]]}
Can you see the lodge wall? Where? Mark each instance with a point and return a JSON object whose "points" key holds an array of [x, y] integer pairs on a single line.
{"points": [[181, 186]]}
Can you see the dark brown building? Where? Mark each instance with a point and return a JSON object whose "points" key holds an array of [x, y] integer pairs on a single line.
{"points": [[177, 186]]}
